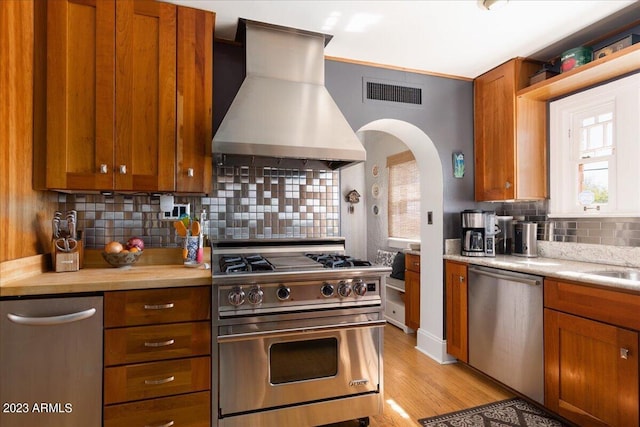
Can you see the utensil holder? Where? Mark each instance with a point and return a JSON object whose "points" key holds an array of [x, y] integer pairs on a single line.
{"points": [[67, 261]]}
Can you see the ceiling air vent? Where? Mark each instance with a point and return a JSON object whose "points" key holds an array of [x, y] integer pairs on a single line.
{"points": [[377, 90]]}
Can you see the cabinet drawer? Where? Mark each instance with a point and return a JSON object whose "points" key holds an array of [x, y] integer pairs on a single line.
{"points": [[614, 307], [412, 262], [394, 311], [153, 306], [190, 410], [161, 342], [155, 379]]}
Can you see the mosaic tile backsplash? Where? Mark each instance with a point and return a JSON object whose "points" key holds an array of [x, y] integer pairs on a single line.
{"points": [[612, 231], [246, 203], [265, 203]]}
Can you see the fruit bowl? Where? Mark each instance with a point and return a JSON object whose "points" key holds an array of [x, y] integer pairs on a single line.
{"points": [[122, 259]]}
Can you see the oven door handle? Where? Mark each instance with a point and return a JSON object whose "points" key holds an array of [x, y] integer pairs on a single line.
{"points": [[298, 331]]}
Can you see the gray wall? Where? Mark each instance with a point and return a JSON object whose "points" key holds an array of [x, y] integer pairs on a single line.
{"points": [[446, 117]]}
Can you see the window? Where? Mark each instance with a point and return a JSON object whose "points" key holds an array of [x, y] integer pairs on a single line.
{"points": [[404, 196], [595, 151]]}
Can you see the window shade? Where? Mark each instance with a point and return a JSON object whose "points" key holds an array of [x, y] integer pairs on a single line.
{"points": [[404, 196]]}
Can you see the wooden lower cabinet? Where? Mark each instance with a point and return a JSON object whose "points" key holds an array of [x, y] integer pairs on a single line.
{"points": [[157, 357], [456, 289], [591, 367], [412, 291], [190, 410]]}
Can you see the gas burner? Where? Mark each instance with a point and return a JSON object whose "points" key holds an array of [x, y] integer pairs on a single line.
{"points": [[338, 261], [235, 264]]}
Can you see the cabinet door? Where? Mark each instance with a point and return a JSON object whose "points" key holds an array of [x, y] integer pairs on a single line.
{"points": [[591, 371], [456, 310], [412, 299], [80, 94], [145, 95], [494, 127], [195, 97]]}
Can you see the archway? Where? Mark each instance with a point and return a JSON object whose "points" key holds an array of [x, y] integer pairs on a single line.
{"points": [[430, 336]]}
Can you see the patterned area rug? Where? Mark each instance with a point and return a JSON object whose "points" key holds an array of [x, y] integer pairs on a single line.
{"points": [[506, 413]]}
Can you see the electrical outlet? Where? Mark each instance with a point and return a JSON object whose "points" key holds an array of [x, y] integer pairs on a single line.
{"points": [[176, 213]]}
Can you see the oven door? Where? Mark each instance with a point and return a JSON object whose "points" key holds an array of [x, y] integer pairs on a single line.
{"points": [[293, 365]]}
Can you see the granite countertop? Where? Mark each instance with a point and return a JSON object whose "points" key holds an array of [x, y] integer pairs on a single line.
{"points": [[563, 266]]}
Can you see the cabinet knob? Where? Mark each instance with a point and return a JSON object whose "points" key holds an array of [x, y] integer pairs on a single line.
{"points": [[461, 279], [507, 184], [190, 172], [123, 169], [103, 168], [167, 424], [624, 353]]}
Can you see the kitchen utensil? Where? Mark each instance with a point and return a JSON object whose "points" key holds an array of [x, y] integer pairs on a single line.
{"points": [[180, 228], [200, 253], [66, 244]]}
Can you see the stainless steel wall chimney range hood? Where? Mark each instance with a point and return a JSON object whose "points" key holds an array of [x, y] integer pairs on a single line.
{"points": [[283, 110]]}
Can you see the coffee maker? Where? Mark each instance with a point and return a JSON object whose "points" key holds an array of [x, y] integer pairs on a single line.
{"points": [[490, 231], [473, 232]]}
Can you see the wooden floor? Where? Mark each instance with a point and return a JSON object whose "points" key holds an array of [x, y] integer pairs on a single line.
{"points": [[415, 386]]}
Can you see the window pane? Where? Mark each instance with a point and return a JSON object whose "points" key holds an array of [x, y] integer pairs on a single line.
{"points": [[595, 178]]}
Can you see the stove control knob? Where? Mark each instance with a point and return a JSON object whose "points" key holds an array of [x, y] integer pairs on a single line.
{"points": [[283, 293], [327, 290], [344, 289], [236, 296], [360, 288], [255, 295]]}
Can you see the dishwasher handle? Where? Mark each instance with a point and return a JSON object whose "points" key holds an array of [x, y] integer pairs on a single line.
{"points": [[514, 277], [51, 320]]}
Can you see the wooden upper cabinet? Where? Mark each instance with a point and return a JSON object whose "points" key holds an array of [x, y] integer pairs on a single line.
{"points": [[510, 136], [80, 94], [129, 96], [195, 100], [145, 108]]}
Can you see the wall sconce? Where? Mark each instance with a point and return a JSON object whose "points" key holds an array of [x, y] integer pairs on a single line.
{"points": [[352, 197]]}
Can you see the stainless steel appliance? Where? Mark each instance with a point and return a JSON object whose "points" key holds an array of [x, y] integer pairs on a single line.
{"points": [[504, 238], [473, 232], [490, 231], [283, 109], [299, 334], [506, 329], [51, 362], [526, 243]]}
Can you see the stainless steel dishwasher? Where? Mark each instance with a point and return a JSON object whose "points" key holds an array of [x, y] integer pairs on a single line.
{"points": [[506, 329], [51, 362]]}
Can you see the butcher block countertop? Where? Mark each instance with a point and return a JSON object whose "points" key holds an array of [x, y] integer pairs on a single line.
{"points": [[156, 268]]}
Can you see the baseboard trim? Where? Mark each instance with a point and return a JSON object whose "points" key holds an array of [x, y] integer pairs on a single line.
{"points": [[434, 347]]}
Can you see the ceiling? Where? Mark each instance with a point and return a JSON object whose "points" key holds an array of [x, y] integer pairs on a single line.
{"points": [[456, 38]]}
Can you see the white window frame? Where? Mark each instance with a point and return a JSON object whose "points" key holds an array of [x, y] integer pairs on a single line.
{"points": [[624, 164]]}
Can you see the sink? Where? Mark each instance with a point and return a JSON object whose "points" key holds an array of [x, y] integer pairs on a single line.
{"points": [[626, 274]]}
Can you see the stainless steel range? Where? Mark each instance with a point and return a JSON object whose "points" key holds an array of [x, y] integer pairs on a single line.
{"points": [[299, 334]]}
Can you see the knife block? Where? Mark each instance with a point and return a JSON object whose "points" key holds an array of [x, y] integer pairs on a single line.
{"points": [[67, 261]]}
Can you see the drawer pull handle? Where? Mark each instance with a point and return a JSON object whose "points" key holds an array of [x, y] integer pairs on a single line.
{"points": [[158, 306], [161, 381], [159, 343], [167, 424]]}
